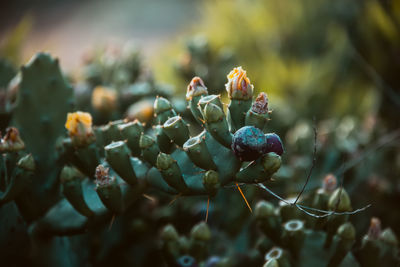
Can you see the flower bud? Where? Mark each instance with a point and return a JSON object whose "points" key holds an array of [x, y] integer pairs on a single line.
{"points": [[11, 141], [264, 210], [347, 231], [339, 196], [389, 237], [145, 141], [330, 183], [201, 232], [142, 110], [211, 182], [375, 229], [104, 99], [239, 86], [196, 88], [213, 113], [79, 126], [69, 174], [161, 104], [27, 162], [163, 110], [169, 233], [164, 161]]}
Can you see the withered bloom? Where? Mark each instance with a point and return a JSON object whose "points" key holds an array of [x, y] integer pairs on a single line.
{"points": [[11, 141], [102, 176], [260, 105], [375, 229]]}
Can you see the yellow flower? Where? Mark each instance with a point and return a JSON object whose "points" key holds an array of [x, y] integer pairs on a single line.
{"points": [[79, 126], [142, 110], [239, 86], [79, 123], [104, 99]]}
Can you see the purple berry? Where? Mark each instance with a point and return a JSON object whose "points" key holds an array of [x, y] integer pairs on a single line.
{"points": [[274, 144], [249, 143]]}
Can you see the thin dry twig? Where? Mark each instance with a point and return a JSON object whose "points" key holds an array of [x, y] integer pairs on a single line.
{"points": [[304, 209], [312, 165]]}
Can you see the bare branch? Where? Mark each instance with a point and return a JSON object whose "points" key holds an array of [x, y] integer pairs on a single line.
{"points": [[304, 209], [313, 163]]}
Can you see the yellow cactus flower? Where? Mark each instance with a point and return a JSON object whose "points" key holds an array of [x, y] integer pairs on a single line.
{"points": [[79, 126], [239, 86], [142, 110], [104, 99], [77, 120]]}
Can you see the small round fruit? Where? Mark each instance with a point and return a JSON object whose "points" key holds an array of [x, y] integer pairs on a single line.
{"points": [[274, 144], [249, 143]]}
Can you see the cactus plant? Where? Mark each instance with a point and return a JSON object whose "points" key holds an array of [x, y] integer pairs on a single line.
{"points": [[98, 188], [184, 168]]}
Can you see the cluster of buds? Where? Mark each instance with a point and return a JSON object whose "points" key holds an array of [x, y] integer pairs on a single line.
{"points": [[79, 126], [11, 142]]}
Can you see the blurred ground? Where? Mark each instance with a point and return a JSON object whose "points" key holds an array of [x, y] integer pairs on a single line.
{"points": [[68, 28]]}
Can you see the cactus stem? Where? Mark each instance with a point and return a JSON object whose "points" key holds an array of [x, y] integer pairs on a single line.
{"points": [[245, 200]]}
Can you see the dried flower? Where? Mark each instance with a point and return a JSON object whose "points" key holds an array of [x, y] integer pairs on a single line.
{"points": [[330, 183], [239, 86], [195, 88], [102, 176], [375, 228], [260, 106], [11, 141]]}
